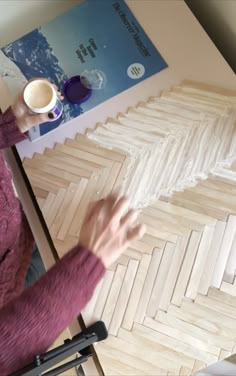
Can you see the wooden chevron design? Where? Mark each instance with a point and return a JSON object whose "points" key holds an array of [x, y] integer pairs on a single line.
{"points": [[188, 133], [170, 301]]}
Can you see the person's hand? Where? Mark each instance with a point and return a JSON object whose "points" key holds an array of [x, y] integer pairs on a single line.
{"points": [[25, 119], [109, 228]]}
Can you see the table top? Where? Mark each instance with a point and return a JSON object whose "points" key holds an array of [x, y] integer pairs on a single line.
{"points": [[190, 54], [188, 51]]}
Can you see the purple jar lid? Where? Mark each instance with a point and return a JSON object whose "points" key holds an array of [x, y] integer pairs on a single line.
{"points": [[75, 91]]}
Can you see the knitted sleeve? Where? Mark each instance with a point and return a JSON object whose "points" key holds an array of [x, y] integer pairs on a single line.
{"points": [[30, 323], [9, 132]]}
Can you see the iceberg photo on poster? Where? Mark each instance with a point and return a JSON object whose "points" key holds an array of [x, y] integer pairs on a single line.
{"points": [[100, 38]]}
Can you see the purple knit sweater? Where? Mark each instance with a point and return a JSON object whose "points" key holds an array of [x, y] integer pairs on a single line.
{"points": [[32, 319]]}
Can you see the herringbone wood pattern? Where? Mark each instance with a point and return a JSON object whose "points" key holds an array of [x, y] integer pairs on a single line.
{"points": [[170, 301]]}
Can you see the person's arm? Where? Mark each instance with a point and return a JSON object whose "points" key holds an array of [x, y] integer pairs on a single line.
{"points": [[17, 120], [30, 323], [9, 131]]}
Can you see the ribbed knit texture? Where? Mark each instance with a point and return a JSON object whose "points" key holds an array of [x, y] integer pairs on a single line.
{"points": [[16, 240], [9, 132], [32, 319], [30, 323]]}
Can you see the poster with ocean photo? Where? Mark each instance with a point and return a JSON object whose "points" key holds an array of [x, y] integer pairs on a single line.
{"points": [[101, 38]]}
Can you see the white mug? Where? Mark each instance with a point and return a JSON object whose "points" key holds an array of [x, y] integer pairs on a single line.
{"points": [[41, 97]]}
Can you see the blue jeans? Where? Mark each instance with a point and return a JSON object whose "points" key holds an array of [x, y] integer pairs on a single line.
{"points": [[36, 268]]}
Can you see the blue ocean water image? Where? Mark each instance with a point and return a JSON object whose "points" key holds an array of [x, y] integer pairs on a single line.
{"points": [[35, 58]]}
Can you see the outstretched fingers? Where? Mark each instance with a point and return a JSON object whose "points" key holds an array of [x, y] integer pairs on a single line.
{"points": [[120, 208], [129, 218], [135, 233]]}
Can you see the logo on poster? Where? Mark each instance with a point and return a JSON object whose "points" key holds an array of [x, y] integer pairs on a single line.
{"points": [[135, 71]]}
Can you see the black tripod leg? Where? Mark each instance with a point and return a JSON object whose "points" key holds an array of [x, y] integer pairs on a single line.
{"points": [[65, 367]]}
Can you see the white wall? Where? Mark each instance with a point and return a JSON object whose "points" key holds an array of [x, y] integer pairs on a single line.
{"points": [[218, 17], [17, 17]]}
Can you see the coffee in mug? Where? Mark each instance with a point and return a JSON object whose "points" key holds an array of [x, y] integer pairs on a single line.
{"points": [[41, 97]]}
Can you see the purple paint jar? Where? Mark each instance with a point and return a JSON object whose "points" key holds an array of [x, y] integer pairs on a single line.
{"points": [[75, 91]]}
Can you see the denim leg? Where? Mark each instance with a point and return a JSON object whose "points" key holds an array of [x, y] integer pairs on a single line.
{"points": [[36, 268]]}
